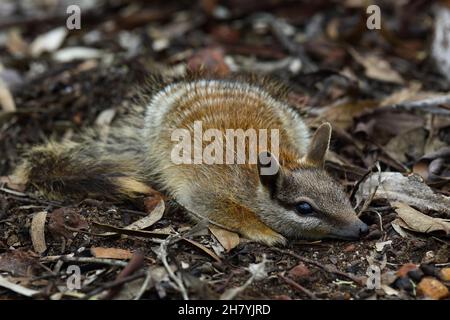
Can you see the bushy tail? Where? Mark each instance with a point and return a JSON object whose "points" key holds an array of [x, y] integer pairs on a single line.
{"points": [[111, 169]]}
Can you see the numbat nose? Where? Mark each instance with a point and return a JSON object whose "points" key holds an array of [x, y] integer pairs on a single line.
{"points": [[363, 229]]}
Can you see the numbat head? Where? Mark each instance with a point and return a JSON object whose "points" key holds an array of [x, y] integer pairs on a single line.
{"points": [[304, 201], [296, 200]]}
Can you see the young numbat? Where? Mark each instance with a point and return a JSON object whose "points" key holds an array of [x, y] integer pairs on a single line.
{"points": [[284, 193]]}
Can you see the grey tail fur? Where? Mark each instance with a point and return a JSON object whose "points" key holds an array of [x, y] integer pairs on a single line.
{"points": [[110, 168]]}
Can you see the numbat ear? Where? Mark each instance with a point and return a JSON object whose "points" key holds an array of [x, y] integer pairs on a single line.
{"points": [[318, 148], [269, 171]]}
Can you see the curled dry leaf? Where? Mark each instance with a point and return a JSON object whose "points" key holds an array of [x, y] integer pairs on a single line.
{"points": [[406, 189], [137, 226], [396, 225], [203, 248], [154, 216], [227, 239], [111, 253], [419, 222], [37, 231]]}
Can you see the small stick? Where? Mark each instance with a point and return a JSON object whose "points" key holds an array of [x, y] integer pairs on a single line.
{"points": [[329, 269], [430, 105], [136, 262], [148, 278], [369, 200], [298, 287], [65, 258], [112, 284], [163, 255]]}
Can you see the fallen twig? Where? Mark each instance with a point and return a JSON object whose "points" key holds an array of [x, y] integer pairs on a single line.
{"points": [[136, 262], [67, 258], [330, 269], [434, 105], [112, 284], [298, 287], [372, 195], [145, 284], [163, 255]]}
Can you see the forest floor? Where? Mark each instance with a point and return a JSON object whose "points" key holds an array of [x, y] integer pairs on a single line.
{"points": [[367, 83]]}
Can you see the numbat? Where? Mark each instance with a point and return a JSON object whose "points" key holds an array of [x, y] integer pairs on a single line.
{"points": [[284, 193]]}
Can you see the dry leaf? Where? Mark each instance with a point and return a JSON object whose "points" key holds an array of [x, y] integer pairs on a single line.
{"points": [[342, 115], [377, 68], [227, 239], [111, 253], [445, 274], [76, 53], [381, 125], [419, 222], [203, 248], [138, 225], [410, 190], [432, 289], [411, 144], [379, 246], [389, 291], [48, 42], [6, 98], [397, 226], [150, 219], [37, 231]]}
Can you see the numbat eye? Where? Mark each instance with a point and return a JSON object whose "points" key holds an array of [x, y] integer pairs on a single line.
{"points": [[304, 208]]}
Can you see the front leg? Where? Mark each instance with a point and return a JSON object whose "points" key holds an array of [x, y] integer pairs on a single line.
{"points": [[246, 222]]}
